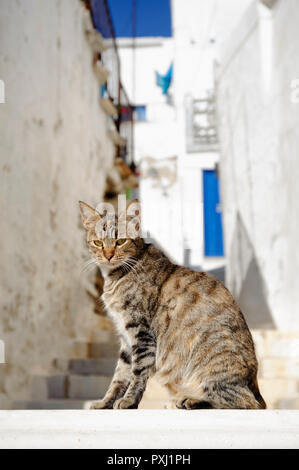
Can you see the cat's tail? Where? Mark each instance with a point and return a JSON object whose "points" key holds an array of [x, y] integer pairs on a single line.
{"points": [[253, 386], [234, 395]]}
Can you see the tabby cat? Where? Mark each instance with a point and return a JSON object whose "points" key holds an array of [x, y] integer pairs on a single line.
{"points": [[183, 326]]}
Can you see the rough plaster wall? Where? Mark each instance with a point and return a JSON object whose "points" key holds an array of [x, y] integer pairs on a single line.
{"points": [[54, 150], [260, 166]]}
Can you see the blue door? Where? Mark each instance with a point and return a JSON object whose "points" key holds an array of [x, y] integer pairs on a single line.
{"points": [[213, 236]]}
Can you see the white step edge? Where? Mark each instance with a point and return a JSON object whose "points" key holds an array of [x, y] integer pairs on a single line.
{"points": [[149, 429]]}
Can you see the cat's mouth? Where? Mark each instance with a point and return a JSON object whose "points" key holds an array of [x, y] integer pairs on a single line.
{"points": [[109, 262], [115, 263]]}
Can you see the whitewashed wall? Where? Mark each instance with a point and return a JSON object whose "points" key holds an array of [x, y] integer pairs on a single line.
{"points": [[259, 120], [54, 150], [156, 138], [179, 224]]}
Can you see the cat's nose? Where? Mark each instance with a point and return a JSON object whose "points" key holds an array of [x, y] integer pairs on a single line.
{"points": [[109, 256]]}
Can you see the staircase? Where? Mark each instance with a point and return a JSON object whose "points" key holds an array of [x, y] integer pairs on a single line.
{"points": [[278, 356], [86, 376], [74, 382]]}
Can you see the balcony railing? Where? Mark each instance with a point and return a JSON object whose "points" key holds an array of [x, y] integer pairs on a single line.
{"points": [[201, 129], [112, 87]]}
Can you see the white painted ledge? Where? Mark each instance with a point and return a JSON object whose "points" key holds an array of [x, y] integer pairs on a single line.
{"points": [[149, 429]]}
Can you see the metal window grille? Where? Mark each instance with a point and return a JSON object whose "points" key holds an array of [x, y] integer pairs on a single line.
{"points": [[201, 129]]}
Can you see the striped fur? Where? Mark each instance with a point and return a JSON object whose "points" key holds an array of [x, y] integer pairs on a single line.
{"points": [[182, 326]]}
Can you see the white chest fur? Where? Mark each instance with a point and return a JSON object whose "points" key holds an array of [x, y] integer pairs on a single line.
{"points": [[113, 305], [119, 322]]}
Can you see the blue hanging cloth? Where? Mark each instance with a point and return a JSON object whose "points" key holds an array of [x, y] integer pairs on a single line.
{"points": [[164, 81]]}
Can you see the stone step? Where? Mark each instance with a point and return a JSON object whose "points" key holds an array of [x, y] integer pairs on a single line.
{"points": [[53, 404], [273, 390], [73, 404], [276, 344], [149, 429], [103, 366], [98, 335], [289, 404], [44, 387], [276, 368], [89, 386], [69, 386], [94, 350]]}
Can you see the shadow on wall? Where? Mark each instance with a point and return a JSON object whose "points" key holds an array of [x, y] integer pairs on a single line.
{"points": [[218, 273], [246, 280]]}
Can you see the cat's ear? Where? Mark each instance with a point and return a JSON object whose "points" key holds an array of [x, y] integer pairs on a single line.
{"points": [[89, 215]]}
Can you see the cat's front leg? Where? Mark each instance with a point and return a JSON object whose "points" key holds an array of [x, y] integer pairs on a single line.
{"points": [[119, 383], [143, 360]]}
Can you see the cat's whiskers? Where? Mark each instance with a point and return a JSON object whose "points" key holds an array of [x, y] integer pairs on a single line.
{"points": [[131, 260], [129, 267], [137, 267], [123, 265], [136, 260], [87, 265]]}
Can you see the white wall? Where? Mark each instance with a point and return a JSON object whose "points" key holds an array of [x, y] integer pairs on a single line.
{"points": [[259, 164], [195, 23], [54, 151], [163, 136], [156, 138]]}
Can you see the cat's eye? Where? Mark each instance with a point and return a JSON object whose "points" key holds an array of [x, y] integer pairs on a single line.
{"points": [[98, 243], [121, 241]]}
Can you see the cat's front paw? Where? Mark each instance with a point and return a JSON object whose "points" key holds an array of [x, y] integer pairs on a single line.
{"points": [[100, 405], [124, 403], [191, 404]]}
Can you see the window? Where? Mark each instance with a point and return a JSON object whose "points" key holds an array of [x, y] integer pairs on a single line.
{"points": [[201, 129], [140, 113]]}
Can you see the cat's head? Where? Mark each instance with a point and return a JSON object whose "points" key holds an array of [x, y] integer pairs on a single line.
{"points": [[107, 235]]}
